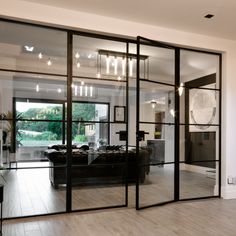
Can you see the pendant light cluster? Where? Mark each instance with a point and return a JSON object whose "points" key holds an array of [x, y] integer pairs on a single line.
{"points": [[116, 63], [83, 90]]}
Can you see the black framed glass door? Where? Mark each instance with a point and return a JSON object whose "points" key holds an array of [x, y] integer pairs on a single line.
{"points": [[156, 124]]}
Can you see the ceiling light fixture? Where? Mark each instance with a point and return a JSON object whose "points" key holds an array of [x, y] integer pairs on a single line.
{"points": [[130, 67], [89, 56], [59, 90], [209, 16], [123, 66], [153, 104], [77, 55], [40, 56], [91, 91], [29, 48], [181, 89], [82, 82], [115, 65], [78, 65], [108, 64], [127, 60], [172, 112], [37, 88], [76, 90], [119, 78], [98, 75], [49, 62]]}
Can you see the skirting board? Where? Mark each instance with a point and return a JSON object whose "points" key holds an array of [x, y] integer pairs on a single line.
{"points": [[228, 192]]}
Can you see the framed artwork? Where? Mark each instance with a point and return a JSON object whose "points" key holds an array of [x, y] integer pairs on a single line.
{"points": [[119, 113]]}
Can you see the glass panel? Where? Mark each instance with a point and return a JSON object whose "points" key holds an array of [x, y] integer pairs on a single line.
{"points": [[200, 107], [156, 184], [156, 103], [199, 69], [98, 185], [30, 192], [157, 64], [90, 111], [96, 91], [98, 58], [199, 145], [160, 142], [30, 48], [33, 138], [199, 180], [91, 134], [38, 110]]}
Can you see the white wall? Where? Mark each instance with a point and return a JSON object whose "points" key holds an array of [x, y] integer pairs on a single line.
{"points": [[73, 19]]}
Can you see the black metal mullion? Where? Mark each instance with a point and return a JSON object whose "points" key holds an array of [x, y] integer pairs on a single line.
{"points": [[127, 125], [69, 121], [177, 118], [220, 121], [137, 121]]}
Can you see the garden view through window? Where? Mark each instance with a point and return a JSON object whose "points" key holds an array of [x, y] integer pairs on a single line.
{"points": [[40, 124]]}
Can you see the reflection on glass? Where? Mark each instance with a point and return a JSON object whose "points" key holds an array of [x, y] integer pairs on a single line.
{"points": [[199, 179], [41, 197], [38, 110], [158, 185], [29, 48], [199, 69], [160, 140], [159, 65], [156, 103]]}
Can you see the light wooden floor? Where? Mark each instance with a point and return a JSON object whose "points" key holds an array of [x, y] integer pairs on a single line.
{"points": [[197, 218], [29, 192]]}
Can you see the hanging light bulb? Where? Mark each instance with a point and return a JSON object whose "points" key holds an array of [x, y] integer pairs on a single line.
{"points": [[81, 90], [108, 64], [78, 65], [130, 67], [91, 91], [172, 112], [76, 90], [77, 55], [40, 56], [153, 104], [123, 66], [98, 75], [181, 89], [59, 90], [49, 62], [115, 65], [37, 88]]}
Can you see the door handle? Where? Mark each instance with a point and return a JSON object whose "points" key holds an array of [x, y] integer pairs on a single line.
{"points": [[141, 135]]}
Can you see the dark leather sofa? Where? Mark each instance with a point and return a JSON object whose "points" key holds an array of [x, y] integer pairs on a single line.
{"points": [[106, 166]]}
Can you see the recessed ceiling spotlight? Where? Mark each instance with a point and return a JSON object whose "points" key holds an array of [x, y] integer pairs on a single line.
{"points": [[29, 48], [40, 55], [49, 62], [209, 16], [78, 65], [77, 55]]}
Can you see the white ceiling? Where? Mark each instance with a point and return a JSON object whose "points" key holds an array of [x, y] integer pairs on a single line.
{"points": [[185, 15]]}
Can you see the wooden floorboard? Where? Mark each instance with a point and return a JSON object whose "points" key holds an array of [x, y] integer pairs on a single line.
{"points": [[215, 217], [29, 192]]}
